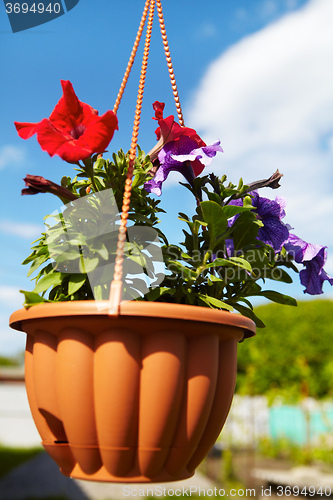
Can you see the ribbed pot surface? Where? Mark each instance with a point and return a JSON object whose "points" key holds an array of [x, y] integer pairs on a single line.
{"points": [[139, 396]]}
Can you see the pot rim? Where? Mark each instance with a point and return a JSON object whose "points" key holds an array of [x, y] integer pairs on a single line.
{"points": [[183, 312]]}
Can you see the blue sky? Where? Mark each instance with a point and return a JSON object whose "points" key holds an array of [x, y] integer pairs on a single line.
{"points": [[256, 74]]}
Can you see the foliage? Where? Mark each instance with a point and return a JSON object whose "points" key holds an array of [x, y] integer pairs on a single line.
{"points": [[234, 243], [293, 453], [8, 361], [208, 273], [203, 271], [95, 176], [298, 363]]}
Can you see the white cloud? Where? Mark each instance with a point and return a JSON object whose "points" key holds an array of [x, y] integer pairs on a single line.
{"points": [[23, 230], [10, 155], [10, 296], [269, 98]]}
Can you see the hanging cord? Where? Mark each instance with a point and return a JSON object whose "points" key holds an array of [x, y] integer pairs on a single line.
{"points": [[116, 285], [132, 56], [131, 60], [169, 62]]}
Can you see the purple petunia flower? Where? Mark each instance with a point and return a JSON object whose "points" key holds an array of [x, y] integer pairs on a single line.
{"points": [[182, 156], [313, 257], [274, 232]]}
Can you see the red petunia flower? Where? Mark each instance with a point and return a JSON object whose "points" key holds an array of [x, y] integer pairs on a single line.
{"points": [[169, 130], [74, 131]]}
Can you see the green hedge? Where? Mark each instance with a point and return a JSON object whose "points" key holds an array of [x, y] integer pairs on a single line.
{"points": [[291, 357]]}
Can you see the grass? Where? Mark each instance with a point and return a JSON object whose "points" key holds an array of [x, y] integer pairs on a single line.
{"points": [[12, 457], [282, 448]]}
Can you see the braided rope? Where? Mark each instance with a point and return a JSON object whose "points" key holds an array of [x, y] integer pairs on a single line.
{"points": [[169, 62], [132, 57], [116, 285]]}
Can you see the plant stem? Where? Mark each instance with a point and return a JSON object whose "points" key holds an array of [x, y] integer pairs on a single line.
{"points": [[89, 168]]}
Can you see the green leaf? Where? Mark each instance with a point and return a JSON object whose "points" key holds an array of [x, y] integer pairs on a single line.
{"points": [[215, 279], [76, 281], [258, 258], [277, 274], [138, 259], [38, 262], [232, 210], [87, 265], [186, 257], [233, 261], [213, 197], [247, 302], [278, 297], [195, 225], [239, 261], [32, 298], [184, 271], [157, 292], [103, 252], [247, 202], [49, 280], [245, 230], [139, 217], [249, 314], [99, 163], [212, 301], [182, 216], [216, 219], [29, 259], [44, 271]]}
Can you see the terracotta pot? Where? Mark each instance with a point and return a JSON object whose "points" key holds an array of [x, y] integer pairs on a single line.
{"points": [[137, 395]]}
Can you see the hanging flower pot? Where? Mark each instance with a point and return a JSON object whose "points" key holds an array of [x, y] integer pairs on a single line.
{"points": [[136, 384], [133, 397]]}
